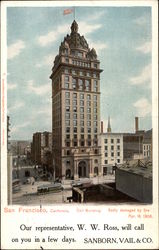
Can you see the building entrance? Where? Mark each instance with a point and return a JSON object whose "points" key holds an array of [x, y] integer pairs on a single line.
{"points": [[82, 167]]}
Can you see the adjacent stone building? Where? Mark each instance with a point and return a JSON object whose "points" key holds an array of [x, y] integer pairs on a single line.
{"points": [[76, 108], [147, 145], [111, 149], [41, 148]]}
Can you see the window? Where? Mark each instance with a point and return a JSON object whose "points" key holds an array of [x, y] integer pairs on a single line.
{"points": [[118, 140], [68, 136], [89, 136], [67, 122], [68, 162], [75, 129], [95, 143], [81, 103], [112, 147], [81, 116], [88, 110], [74, 109], [88, 117], [74, 116], [106, 147], [74, 95], [81, 96], [66, 85], [95, 97], [95, 110], [80, 84], [88, 103], [112, 140], [95, 123], [74, 122], [89, 130], [74, 85], [67, 101], [80, 54], [66, 71], [118, 153], [118, 147], [89, 123], [66, 60], [73, 53], [74, 81], [96, 161], [66, 78], [81, 73], [95, 65], [68, 152], [94, 75], [67, 94], [75, 136], [95, 117], [73, 72], [106, 154], [82, 136], [96, 151], [81, 109], [82, 123], [88, 97], [67, 115], [87, 85], [82, 129], [88, 74], [95, 130], [95, 136], [67, 130], [66, 51], [106, 161], [89, 143], [75, 143], [74, 102], [118, 160], [82, 143], [112, 154], [67, 109], [67, 143]]}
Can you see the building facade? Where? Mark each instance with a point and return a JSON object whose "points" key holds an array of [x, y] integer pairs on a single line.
{"points": [[147, 145], [76, 108], [111, 151], [41, 147]]}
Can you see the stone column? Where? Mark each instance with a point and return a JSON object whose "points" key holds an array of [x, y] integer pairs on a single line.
{"points": [[75, 170], [90, 168]]}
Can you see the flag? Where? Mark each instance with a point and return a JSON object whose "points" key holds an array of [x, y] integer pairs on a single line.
{"points": [[67, 11]]}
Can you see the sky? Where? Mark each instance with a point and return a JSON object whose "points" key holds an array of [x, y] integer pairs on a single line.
{"points": [[121, 37]]}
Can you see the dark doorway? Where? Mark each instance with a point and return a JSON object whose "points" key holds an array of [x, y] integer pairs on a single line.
{"points": [[82, 167], [68, 174], [96, 171], [27, 173]]}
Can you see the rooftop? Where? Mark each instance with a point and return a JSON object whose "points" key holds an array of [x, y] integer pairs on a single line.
{"points": [[138, 167]]}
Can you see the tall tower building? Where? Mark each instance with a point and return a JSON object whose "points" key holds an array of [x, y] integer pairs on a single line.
{"points": [[76, 108]]}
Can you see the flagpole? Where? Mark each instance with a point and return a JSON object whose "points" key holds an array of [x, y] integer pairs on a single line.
{"points": [[74, 13]]}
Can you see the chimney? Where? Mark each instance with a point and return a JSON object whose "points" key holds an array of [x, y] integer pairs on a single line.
{"points": [[136, 124], [101, 127]]}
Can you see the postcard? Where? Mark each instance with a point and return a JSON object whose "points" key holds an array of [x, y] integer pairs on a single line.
{"points": [[79, 125]]}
